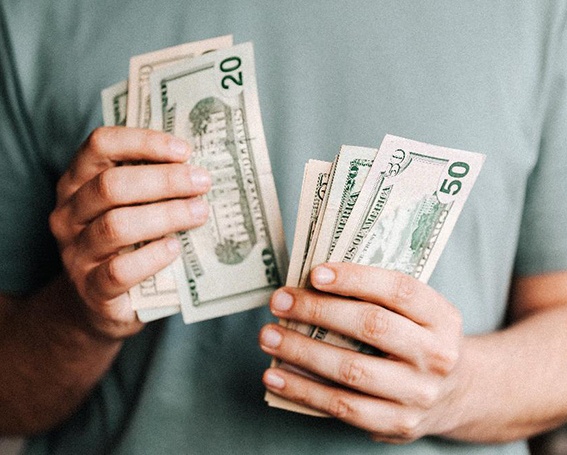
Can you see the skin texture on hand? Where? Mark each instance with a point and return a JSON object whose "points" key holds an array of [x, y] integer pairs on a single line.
{"points": [[394, 397], [104, 207], [56, 344], [432, 380]]}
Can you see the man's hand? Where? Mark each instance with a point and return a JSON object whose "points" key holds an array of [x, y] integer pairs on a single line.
{"points": [[104, 207], [397, 398], [56, 344]]}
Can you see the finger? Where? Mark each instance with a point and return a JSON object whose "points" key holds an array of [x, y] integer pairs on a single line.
{"points": [[125, 226], [368, 413], [109, 146], [394, 290], [112, 319], [375, 376], [373, 325], [128, 185], [117, 275]]}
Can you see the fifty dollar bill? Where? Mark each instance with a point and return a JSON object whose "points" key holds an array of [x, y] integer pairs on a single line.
{"points": [[402, 219]]}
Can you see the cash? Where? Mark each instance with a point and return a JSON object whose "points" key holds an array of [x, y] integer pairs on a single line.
{"points": [[206, 93], [114, 104], [235, 261], [393, 208], [142, 67], [349, 172]]}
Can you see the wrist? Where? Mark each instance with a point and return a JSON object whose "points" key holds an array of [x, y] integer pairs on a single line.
{"points": [[456, 415], [46, 341]]}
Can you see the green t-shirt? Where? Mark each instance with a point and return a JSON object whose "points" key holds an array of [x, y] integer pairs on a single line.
{"points": [[484, 76]]}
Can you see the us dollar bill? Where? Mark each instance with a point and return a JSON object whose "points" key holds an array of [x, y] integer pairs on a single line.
{"points": [[351, 169], [349, 172], [315, 183], [157, 296], [142, 66], [406, 214], [402, 219], [316, 228], [114, 102], [235, 261]]}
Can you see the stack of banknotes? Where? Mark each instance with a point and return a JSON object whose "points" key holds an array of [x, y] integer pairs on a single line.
{"points": [[392, 207], [205, 92]]}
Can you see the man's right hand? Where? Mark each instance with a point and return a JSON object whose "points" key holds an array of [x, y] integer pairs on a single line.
{"points": [[104, 206]]}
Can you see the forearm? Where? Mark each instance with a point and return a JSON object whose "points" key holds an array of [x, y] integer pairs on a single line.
{"points": [[50, 360], [514, 382], [54, 347]]}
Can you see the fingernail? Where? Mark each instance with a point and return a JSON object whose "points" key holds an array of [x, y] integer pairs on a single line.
{"points": [[323, 275], [274, 380], [178, 146], [282, 301], [173, 245], [200, 178], [199, 208], [271, 338]]}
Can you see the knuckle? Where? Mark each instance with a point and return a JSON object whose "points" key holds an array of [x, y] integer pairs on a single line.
{"points": [[57, 224], [375, 323], [109, 227], [181, 177], [177, 214], [427, 396], [339, 406], [173, 179], [406, 426], [314, 307], [106, 187], [152, 140], [300, 355], [351, 371], [403, 288], [116, 275], [444, 360], [169, 180], [181, 214], [176, 179], [98, 139], [154, 257], [301, 395]]}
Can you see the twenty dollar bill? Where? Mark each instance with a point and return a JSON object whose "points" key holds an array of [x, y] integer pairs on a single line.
{"points": [[238, 258]]}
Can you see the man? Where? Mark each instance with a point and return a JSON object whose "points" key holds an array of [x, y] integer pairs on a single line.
{"points": [[476, 357]]}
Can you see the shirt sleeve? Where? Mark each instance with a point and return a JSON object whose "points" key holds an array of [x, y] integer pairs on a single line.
{"points": [[543, 236], [28, 253]]}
